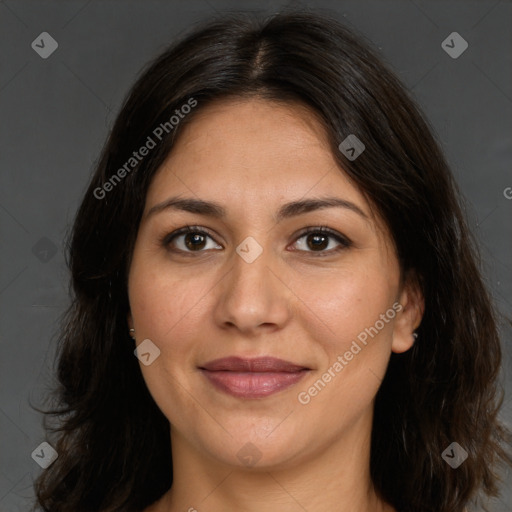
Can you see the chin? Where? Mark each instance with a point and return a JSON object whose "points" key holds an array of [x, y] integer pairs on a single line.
{"points": [[258, 449]]}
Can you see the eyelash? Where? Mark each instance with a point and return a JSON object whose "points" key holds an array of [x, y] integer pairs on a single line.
{"points": [[345, 243]]}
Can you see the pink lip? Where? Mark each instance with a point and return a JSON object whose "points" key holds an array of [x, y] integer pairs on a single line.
{"points": [[252, 378]]}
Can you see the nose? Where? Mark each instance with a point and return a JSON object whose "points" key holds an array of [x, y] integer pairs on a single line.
{"points": [[253, 297]]}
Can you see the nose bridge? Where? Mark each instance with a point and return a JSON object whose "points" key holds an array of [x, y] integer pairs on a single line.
{"points": [[251, 265], [252, 294]]}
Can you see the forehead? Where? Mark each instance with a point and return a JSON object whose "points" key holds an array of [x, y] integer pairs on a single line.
{"points": [[254, 144], [259, 116]]}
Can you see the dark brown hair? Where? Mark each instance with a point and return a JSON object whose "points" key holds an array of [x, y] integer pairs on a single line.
{"points": [[113, 441]]}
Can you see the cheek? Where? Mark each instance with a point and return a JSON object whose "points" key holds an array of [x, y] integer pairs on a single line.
{"points": [[165, 304], [166, 309], [342, 312], [340, 304]]}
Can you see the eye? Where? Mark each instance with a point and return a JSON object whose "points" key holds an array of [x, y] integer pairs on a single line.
{"points": [[318, 239], [189, 239]]}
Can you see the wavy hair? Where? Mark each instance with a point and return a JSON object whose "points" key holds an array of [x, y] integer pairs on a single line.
{"points": [[113, 441]]}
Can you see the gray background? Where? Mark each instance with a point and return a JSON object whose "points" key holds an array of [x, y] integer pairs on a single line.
{"points": [[56, 113]]}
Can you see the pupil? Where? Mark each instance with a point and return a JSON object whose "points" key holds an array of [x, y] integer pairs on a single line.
{"points": [[191, 244], [318, 238]]}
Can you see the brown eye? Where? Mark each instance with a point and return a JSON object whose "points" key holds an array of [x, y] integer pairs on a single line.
{"points": [[194, 241], [189, 239], [318, 240]]}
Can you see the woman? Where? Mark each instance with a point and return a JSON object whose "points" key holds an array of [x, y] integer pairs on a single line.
{"points": [[274, 232]]}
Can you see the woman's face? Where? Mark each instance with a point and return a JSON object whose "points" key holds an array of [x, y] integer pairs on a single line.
{"points": [[251, 284]]}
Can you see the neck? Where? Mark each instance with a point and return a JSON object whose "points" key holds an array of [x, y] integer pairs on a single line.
{"points": [[336, 478]]}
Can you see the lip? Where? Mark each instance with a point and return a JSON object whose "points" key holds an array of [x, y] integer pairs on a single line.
{"points": [[252, 378]]}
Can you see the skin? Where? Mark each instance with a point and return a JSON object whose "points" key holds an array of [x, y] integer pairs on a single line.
{"points": [[252, 156]]}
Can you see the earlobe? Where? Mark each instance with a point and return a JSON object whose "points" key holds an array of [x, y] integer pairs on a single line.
{"points": [[131, 329], [409, 318], [402, 344]]}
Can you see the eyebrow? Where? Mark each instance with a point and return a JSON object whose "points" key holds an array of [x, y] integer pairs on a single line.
{"points": [[288, 210]]}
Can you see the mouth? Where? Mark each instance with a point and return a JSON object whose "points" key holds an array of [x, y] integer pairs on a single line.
{"points": [[252, 378]]}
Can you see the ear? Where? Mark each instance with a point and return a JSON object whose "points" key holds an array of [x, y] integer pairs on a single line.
{"points": [[409, 317]]}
